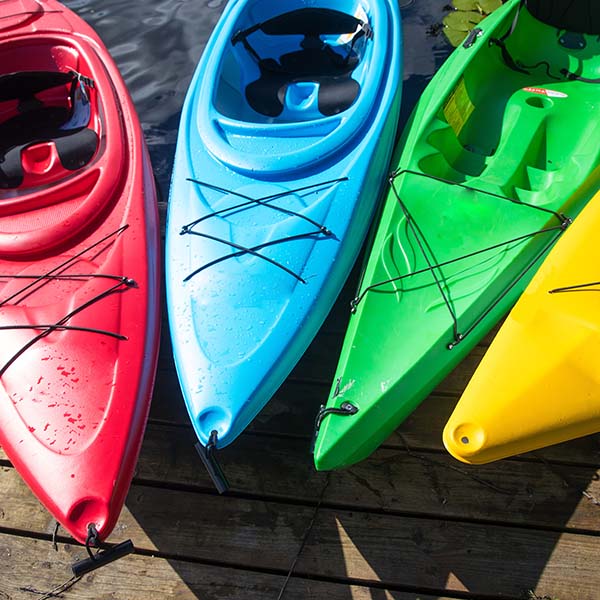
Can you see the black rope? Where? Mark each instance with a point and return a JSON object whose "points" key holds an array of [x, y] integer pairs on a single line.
{"points": [[559, 216], [305, 537], [431, 267], [491, 307], [253, 251], [58, 590], [123, 284], [564, 222], [102, 556], [356, 301], [543, 63], [54, 536], [208, 455], [500, 42], [68, 277], [517, 65], [57, 273], [92, 540], [575, 288], [54, 327], [345, 409], [264, 201], [58, 269], [574, 77]]}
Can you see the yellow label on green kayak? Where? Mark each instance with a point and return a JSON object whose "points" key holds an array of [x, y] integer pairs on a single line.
{"points": [[458, 107]]}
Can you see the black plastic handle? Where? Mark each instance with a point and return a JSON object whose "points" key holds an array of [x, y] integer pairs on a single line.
{"points": [[104, 557]]}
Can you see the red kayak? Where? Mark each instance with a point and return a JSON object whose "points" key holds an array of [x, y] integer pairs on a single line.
{"points": [[79, 267]]}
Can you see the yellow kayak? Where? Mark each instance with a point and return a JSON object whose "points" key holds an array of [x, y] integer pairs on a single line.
{"points": [[539, 382]]}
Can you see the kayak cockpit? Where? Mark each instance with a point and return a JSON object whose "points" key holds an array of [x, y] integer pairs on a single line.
{"points": [[63, 145], [292, 87], [502, 127], [306, 74], [46, 126]]}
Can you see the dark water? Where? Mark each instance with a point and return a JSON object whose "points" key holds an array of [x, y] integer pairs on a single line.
{"points": [[157, 44]]}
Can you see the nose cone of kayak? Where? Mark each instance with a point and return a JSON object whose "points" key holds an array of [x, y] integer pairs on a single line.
{"points": [[213, 418], [85, 512], [463, 440]]}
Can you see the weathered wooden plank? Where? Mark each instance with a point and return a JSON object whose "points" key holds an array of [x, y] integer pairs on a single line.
{"points": [[535, 493], [481, 560], [519, 492], [30, 565], [234, 531], [398, 551], [293, 408]]}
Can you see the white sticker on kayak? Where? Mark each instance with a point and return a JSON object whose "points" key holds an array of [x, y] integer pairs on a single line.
{"points": [[545, 92]]}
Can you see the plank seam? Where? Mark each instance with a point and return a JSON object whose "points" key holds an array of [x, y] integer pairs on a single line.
{"points": [[337, 506], [300, 575]]}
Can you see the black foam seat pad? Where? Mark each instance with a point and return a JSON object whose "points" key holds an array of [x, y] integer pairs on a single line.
{"points": [[310, 22], [37, 123], [30, 125], [75, 149], [579, 16], [337, 89]]}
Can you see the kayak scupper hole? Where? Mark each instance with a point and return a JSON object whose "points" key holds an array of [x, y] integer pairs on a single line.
{"points": [[213, 418], [539, 101], [86, 511], [469, 437]]}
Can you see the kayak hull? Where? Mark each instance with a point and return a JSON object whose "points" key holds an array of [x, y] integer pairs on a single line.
{"points": [[267, 212], [490, 168], [538, 383], [79, 264]]}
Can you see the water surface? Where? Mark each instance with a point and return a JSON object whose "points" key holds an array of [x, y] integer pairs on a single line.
{"points": [[157, 44]]}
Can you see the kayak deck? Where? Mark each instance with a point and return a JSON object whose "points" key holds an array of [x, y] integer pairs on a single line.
{"points": [[269, 204], [539, 377], [79, 289], [496, 163]]}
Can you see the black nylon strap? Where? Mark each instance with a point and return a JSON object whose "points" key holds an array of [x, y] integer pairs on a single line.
{"points": [[574, 77], [310, 23], [506, 56]]}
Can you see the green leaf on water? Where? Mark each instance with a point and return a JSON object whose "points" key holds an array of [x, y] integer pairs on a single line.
{"points": [[465, 4], [461, 20], [467, 15], [455, 37], [489, 6]]}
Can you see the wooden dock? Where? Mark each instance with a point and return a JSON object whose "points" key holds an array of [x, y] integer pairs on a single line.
{"points": [[408, 523]]}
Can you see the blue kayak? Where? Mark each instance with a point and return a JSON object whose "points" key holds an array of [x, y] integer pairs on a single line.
{"points": [[283, 147]]}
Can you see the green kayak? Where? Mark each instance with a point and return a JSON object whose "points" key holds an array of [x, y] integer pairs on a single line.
{"points": [[499, 155]]}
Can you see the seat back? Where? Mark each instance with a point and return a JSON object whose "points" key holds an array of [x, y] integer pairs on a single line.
{"points": [[579, 16], [35, 122], [315, 60]]}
